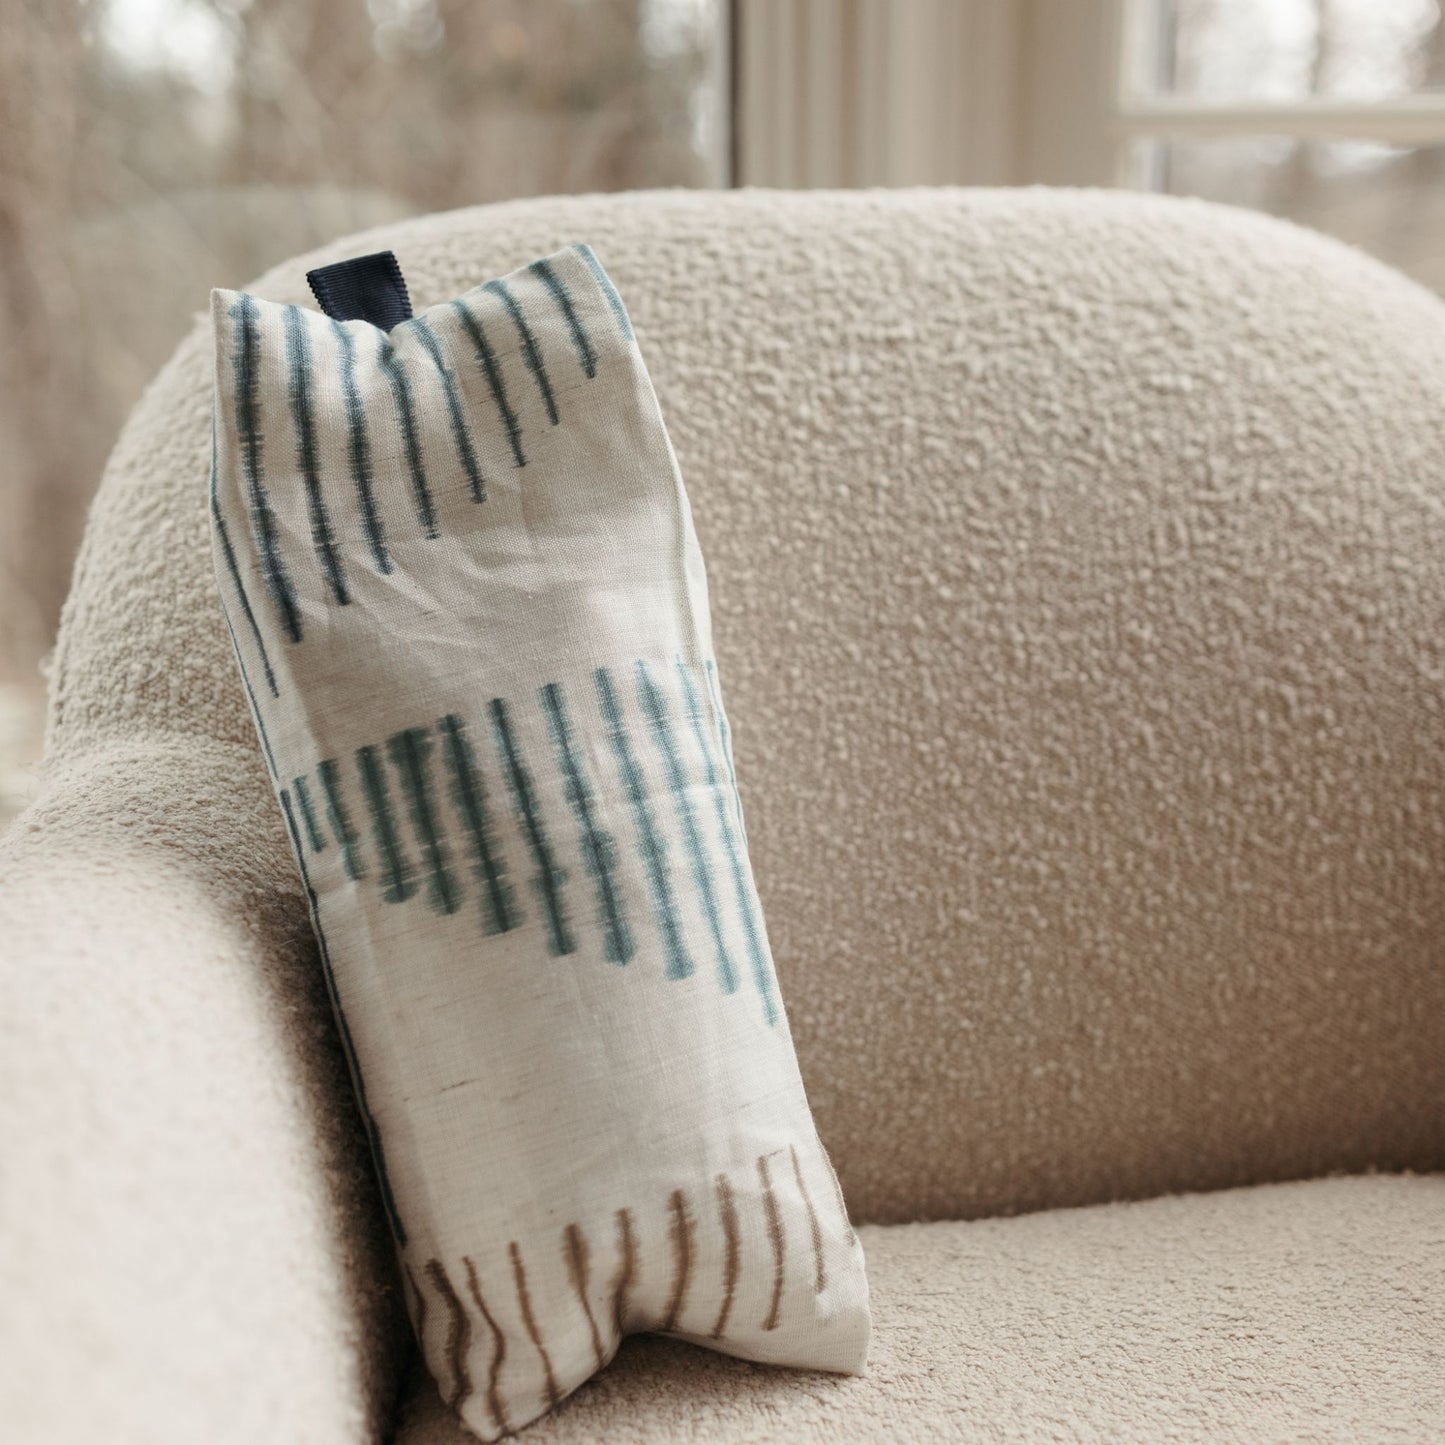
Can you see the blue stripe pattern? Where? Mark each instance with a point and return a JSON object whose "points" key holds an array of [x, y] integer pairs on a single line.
{"points": [[398, 882], [549, 880], [298, 364], [228, 552], [460, 435], [314, 834], [406, 416], [655, 706], [560, 294], [470, 799], [329, 771], [531, 357], [373, 1134], [263, 519], [658, 815], [487, 360], [690, 770], [598, 848], [604, 281], [746, 903], [654, 849], [410, 752], [360, 445]]}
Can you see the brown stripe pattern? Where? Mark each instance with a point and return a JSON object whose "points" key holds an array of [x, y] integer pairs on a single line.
{"points": [[577, 1253], [728, 1214], [459, 1333], [622, 1281], [680, 1232], [499, 1352], [607, 1326], [777, 1238], [524, 1301], [820, 1271]]}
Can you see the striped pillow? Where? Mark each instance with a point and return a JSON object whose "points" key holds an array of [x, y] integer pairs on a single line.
{"points": [[470, 612]]}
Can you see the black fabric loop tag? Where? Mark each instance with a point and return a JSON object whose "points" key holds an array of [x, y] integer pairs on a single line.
{"points": [[365, 288]]}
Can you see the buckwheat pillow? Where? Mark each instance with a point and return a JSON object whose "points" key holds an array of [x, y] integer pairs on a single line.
{"points": [[471, 613]]}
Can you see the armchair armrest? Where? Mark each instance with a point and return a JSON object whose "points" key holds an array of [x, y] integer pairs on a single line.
{"points": [[190, 1241]]}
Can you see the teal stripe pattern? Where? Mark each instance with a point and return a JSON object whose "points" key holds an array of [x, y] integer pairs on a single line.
{"points": [[460, 435], [373, 1134], [410, 752], [228, 552], [329, 771], [299, 386], [398, 881], [406, 418], [543, 271], [470, 801], [604, 282], [654, 705], [653, 848], [487, 360], [686, 765], [746, 904], [549, 879], [263, 519], [531, 357], [314, 835], [598, 849], [359, 442]]}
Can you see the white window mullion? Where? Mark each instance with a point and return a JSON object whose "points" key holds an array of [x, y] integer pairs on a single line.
{"points": [[1408, 121], [1141, 111]]}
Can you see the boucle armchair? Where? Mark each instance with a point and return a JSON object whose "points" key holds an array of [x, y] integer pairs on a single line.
{"points": [[1077, 567]]}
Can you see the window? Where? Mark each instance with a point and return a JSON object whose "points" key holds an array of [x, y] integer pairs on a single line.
{"points": [[155, 148], [1330, 112], [150, 149]]}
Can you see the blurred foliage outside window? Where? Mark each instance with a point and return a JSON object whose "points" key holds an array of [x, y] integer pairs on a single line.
{"points": [[152, 149]]}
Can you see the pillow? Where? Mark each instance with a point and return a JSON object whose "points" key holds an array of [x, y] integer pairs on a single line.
{"points": [[471, 615]]}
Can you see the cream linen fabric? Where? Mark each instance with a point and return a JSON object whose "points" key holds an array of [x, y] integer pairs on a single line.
{"points": [[1075, 564], [1274, 1315], [467, 598]]}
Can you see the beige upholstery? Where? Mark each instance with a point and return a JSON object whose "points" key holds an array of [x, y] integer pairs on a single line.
{"points": [[1283, 1313], [1077, 571]]}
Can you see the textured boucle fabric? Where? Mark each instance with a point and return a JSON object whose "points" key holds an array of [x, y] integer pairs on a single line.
{"points": [[1076, 571], [1275, 1314], [190, 1244]]}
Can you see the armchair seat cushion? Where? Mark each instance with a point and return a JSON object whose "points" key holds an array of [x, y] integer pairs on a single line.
{"points": [[1275, 1313]]}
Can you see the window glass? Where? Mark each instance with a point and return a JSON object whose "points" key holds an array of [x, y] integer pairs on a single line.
{"points": [[1282, 50], [1390, 200]]}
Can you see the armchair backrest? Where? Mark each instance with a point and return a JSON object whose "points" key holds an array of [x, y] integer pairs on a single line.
{"points": [[1077, 569]]}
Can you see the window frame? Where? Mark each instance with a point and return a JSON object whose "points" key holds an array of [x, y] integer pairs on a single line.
{"points": [[1143, 113]]}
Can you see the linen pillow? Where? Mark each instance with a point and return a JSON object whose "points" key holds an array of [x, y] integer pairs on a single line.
{"points": [[471, 615]]}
